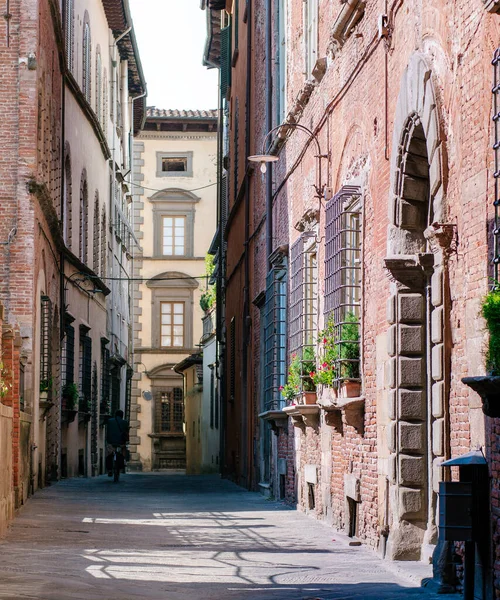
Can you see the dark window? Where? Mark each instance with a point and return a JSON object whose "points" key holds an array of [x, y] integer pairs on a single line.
{"points": [[174, 164], [105, 380], [68, 365], [170, 411], [225, 60], [45, 345], [97, 236], [275, 334], [85, 373], [84, 221], [232, 358], [343, 276], [212, 399]]}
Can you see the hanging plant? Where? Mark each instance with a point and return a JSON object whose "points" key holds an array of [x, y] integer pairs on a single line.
{"points": [[71, 395]]}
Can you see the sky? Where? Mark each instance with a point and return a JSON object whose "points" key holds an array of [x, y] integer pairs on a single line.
{"points": [[171, 37]]}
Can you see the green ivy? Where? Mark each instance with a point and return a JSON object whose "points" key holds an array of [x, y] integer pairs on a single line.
{"points": [[491, 313], [71, 395], [209, 297]]}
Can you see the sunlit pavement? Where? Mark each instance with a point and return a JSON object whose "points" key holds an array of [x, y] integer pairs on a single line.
{"points": [[168, 536]]}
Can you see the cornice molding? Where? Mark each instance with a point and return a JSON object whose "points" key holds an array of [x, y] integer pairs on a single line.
{"points": [[161, 135]]}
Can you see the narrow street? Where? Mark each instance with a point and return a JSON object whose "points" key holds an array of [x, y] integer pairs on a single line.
{"points": [[177, 537]]}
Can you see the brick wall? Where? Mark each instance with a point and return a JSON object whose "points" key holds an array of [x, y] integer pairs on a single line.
{"points": [[360, 132]]}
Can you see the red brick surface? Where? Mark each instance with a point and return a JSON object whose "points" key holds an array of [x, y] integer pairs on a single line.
{"points": [[347, 112]]}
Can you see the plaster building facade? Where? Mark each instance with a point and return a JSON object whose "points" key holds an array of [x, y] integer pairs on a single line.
{"points": [[104, 105], [175, 175], [360, 259], [56, 133]]}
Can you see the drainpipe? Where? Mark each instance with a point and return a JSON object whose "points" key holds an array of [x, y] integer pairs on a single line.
{"points": [[245, 437], [269, 125], [132, 218], [62, 294]]}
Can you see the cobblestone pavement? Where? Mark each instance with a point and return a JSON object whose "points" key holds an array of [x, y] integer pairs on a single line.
{"points": [[169, 536]]}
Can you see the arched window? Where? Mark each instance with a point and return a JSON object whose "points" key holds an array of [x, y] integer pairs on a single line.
{"points": [[84, 219], [103, 242], [86, 56], [104, 101], [98, 91], [69, 18], [97, 237], [67, 224]]}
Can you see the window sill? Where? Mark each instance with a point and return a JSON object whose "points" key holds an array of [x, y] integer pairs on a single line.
{"points": [[166, 435]]}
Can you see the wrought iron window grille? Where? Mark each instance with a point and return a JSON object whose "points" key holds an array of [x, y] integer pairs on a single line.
{"points": [[343, 271], [496, 175], [275, 334], [304, 307], [46, 346]]}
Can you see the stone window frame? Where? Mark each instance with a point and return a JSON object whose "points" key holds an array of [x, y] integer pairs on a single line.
{"points": [[187, 173], [172, 287], [173, 202]]}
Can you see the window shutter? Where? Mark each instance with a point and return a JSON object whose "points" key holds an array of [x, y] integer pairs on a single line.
{"points": [[70, 33], [223, 202], [103, 243], [225, 60], [105, 405], [96, 235], [45, 345], [86, 374], [70, 355]]}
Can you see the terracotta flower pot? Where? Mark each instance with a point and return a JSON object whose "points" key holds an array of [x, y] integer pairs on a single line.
{"points": [[350, 389], [308, 398]]}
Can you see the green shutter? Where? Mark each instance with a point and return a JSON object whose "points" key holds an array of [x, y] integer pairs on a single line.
{"points": [[225, 60]]}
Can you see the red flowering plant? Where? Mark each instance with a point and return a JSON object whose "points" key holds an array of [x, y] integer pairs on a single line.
{"points": [[328, 355], [300, 374]]}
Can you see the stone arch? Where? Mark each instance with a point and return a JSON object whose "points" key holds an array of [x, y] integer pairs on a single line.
{"points": [[416, 139], [416, 259], [354, 156]]}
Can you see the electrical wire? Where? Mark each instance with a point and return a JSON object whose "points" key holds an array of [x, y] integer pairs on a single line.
{"points": [[163, 189]]}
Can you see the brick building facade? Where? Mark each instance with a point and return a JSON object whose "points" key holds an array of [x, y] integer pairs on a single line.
{"points": [[376, 221], [49, 278]]}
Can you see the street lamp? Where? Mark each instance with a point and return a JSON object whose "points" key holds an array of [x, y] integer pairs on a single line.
{"points": [[265, 158]]}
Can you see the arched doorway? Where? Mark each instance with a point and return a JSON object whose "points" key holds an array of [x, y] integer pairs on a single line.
{"points": [[417, 247]]}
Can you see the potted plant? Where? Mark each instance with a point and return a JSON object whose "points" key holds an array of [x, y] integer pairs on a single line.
{"points": [[326, 372], [45, 387], [488, 387], [70, 395], [300, 384], [349, 352]]}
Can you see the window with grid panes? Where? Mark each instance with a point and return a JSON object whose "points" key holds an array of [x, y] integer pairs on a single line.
{"points": [[343, 275], [45, 345], [170, 411], [275, 334], [174, 236], [86, 55], [172, 324], [69, 32]]}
